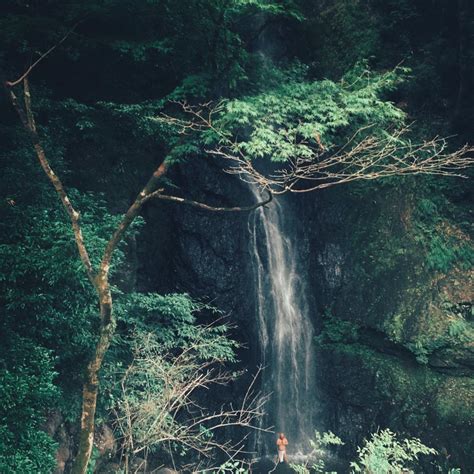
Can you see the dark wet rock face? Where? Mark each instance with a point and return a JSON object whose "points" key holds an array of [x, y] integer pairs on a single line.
{"points": [[388, 353], [203, 250], [59, 430], [204, 253]]}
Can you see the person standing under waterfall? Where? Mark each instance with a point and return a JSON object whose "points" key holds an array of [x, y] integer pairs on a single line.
{"points": [[282, 443]]}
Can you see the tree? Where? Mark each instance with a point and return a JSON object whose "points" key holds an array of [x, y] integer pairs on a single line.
{"points": [[99, 278], [320, 133], [45, 310]]}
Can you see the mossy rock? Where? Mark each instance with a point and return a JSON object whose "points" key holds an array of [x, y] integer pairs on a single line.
{"points": [[399, 393]]}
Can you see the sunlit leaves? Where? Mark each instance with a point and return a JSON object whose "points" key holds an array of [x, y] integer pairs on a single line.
{"points": [[385, 453], [298, 116], [173, 320]]}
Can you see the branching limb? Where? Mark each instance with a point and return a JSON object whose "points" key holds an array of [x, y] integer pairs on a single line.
{"points": [[28, 121], [363, 156], [41, 58], [164, 408]]}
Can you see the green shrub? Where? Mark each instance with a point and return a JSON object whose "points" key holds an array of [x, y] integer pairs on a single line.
{"points": [[338, 330], [27, 391], [383, 453], [318, 444]]}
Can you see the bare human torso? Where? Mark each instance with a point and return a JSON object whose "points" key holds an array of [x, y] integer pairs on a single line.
{"points": [[282, 443]]}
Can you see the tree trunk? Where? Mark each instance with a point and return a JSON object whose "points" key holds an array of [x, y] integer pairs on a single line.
{"points": [[90, 388]]}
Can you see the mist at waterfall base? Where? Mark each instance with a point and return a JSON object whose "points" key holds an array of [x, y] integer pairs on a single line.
{"points": [[286, 334]]}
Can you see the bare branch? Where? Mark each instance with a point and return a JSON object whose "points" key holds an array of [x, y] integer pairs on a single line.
{"points": [[43, 56], [166, 410], [28, 121], [158, 195], [363, 156]]}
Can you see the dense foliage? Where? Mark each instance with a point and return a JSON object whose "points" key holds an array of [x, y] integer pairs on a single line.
{"points": [[383, 452], [283, 122]]}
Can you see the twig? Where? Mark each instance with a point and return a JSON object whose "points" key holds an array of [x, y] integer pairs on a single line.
{"points": [[43, 56]]}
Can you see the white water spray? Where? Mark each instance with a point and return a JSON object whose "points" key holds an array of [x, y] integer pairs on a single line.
{"points": [[285, 330]]}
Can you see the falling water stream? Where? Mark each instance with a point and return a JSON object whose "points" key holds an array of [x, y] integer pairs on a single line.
{"points": [[286, 335]]}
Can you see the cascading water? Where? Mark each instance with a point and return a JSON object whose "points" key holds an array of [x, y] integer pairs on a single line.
{"points": [[285, 330]]}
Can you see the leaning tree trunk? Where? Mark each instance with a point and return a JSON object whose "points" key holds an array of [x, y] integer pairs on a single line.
{"points": [[101, 283], [90, 389]]}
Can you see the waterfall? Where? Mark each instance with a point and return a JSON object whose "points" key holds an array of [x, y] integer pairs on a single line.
{"points": [[286, 335]]}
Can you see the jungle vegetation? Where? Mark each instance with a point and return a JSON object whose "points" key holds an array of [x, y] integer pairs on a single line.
{"points": [[114, 107]]}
